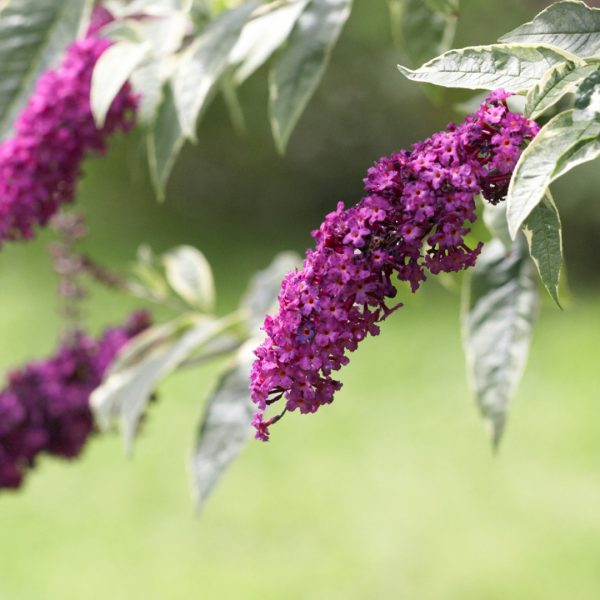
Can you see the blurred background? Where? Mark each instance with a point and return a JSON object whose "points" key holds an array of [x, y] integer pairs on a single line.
{"points": [[393, 491]]}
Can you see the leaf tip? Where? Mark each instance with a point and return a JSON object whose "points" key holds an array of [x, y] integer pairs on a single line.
{"points": [[404, 70], [495, 425]]}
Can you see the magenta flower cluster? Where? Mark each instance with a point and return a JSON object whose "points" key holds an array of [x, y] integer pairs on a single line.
{"points": [[41, 162], [45, 406], [412, 221]]}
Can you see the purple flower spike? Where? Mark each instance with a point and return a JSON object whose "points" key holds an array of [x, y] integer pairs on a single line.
{"points": [[412, 221], [40, 163], [45, 406]]}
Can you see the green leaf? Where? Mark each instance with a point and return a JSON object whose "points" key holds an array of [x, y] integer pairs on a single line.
{"points": [[203, 64], [154, 338], [33, 38], [189, 274], [165, 34], [126, 392], [126, 30], [164, 141], [587, 98], [301, 63], [537, 165], [580, 153], [261, 295], [261, 36], [558, 81], [572, 26], [501, 299], [225, 427], [513, 67], [420, 30], [542, 231], [111, 72], [149, 275]]}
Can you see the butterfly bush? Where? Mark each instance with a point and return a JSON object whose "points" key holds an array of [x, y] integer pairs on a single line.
{"points": [[44, 408], [411, 222], [41, 162]]}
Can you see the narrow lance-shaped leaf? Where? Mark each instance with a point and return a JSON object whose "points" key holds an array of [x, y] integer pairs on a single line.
{"points": [[558, 81], [570, 25], [262, 36], [582, 152], [538, 163], [204, 62], [501, 299], [164, 142], [542, 230], [512, 67], [301, 63], [33, 37], [420, 30], [225, 427], [112, 70], [126, 392]]}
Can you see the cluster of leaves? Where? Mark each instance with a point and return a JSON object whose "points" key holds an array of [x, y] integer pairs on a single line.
{"points": [[182, 278], [553, 64], [179, 54]]}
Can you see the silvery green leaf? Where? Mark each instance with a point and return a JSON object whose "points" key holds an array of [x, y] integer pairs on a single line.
{"points": [[165, 34], [299, 66], [189, 274], [33, 38], [164, 141], [225, 427], [111, 71], [585, 151], [501, 299], [262, 35], [513, 67], [558, 81], [154, 340], [570, 25], [538, 163], [261, 295], [203, 64], [124, 30], [542, 230], [126, 392]]}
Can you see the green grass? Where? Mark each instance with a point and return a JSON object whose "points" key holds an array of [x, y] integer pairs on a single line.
{"points": [[391, 492]]}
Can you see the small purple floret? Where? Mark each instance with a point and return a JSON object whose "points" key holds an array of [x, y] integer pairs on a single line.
{"points": [[412, 221]]}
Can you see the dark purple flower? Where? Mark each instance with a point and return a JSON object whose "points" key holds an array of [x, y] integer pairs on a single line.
{"points": [[41, 162], [411, 222], [45, 406]]}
